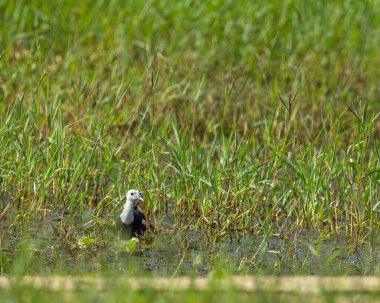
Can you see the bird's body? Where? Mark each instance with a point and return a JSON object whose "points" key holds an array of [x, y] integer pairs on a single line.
{"points": [[139, 223], [132, 222]]}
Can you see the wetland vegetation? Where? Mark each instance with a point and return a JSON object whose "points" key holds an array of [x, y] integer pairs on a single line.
{"points": [[250, 128]]}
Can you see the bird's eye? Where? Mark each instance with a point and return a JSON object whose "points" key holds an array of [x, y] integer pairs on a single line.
{"points": [[132, 194]]}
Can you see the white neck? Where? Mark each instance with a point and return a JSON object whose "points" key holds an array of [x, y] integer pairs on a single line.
{"points": [[127, 214]]}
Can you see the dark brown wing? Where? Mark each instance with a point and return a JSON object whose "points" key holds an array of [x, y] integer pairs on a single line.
{"points": [[139, 223]]}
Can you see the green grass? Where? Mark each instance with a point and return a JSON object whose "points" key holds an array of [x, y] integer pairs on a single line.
{"points": [[33, 295], [114, 290], [121, 293], [250, 120]]}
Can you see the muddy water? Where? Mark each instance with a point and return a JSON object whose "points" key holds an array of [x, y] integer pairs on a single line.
{"points": [[48, 244]]}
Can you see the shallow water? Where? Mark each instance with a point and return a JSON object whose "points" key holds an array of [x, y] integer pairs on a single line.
{"points": [[49, 244]]}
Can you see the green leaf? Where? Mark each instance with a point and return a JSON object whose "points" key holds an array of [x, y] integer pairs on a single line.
{"points": [[131, 244], [86, 241], [148, 246]]}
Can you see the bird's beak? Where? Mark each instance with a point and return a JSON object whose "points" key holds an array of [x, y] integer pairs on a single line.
{"points": [[140, 199]]}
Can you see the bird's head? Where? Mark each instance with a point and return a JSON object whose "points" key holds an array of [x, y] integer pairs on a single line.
{"points": [[134, 196]]}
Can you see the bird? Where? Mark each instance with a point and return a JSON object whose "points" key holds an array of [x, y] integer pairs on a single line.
{"points": [[132, 222]]}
